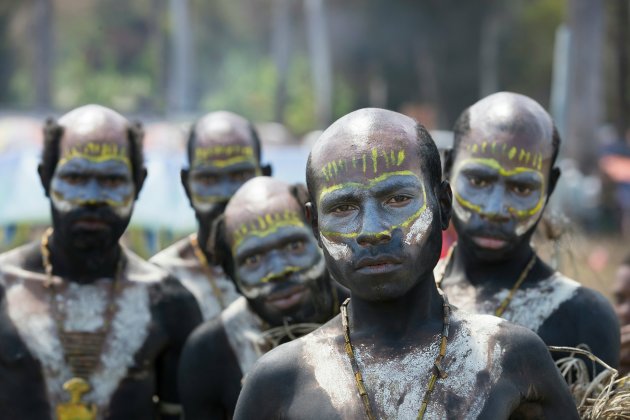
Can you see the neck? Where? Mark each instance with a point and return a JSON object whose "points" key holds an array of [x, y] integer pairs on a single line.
{"points": [[80, 267], [396, 319], [203, 234], [477, 271]]}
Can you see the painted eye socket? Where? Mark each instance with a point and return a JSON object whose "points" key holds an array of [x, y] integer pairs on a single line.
{"points": [[477, 182], [522, 190], [399, 200], [112, 181], [74, 179], [295, 247], [342, 209], [252, 260], [206, 179], [242, 175]]}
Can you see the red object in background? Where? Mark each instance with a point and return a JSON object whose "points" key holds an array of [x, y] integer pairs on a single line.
{"points": [[449, 237]]}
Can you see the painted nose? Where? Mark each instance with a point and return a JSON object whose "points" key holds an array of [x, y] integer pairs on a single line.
{"points": [[92, 194], [373, 230], [496, 208]]}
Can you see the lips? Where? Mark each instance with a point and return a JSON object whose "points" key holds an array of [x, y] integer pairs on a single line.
{"points": [[91, 223], [287, 298], [488, 242], [378, 264]]}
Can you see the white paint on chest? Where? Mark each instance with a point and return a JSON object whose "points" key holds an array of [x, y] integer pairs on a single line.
{"points": [[530, 307], [85, 306], [244, 332], [397, 383]]}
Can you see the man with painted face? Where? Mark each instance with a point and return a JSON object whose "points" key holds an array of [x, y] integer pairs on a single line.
{"points": [[502, 172], [223, 153], [89, 330], [273, 257], [398, 349], [621, 294]]}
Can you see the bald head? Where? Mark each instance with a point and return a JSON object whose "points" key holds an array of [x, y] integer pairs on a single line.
{"points": [[371, 141], [98, 130], [222, 129], [508, 118]]}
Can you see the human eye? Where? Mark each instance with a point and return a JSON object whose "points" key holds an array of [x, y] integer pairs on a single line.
{"points": [[342, 209], [477, 181], [206, 179], [112, 181], [295, 247], [242, 175], [252, 261], [398, 200], [522, 189], [74, 178]]}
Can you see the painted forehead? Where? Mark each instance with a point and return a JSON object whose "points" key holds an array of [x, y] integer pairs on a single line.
{"points": [[222, 142]]}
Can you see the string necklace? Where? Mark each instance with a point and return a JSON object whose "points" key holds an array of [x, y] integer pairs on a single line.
{"points": [[506, 301], [205, 266], [437, 370], [81, 350]]}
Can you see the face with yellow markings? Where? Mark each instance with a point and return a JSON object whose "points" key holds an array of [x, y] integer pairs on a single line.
{"points": [[223, 158], [376, 209], [92, 189], [277, 264], [500, 179]]}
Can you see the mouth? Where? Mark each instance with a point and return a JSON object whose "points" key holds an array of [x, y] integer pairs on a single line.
{"points": [[91, 223], [380, 264], [488, 242], [287, 298]]}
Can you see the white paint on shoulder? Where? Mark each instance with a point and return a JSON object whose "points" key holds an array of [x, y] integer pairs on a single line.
{"points": [[191, 274], [419, 228], [530, 307], [244, 332], [340, 252]]}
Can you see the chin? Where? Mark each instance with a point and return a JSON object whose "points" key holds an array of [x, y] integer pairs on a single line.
{"points": [[381, 291]]}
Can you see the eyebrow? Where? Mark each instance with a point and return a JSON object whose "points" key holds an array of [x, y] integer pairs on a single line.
{"points": [[255, 248], [368, 184]]}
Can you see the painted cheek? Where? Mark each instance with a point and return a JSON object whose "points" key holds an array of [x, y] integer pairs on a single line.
{"points": [[419, 229]]}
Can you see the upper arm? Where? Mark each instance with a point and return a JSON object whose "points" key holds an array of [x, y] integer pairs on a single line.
{"points": [[209, 376], [599, 326], [532, 370], [178, 315], [275, 371]]}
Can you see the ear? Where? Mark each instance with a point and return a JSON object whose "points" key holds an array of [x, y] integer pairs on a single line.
{"points": [[266, 170], [553, 180], [448, 163], [311, 216], [184, 175], [140, 181], [44, 179], [445, 200]]}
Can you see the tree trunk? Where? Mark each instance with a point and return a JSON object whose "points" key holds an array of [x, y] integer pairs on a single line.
{"points": [[281, 52], [181, 66], [622, 40], [44, 43], [320, 60], [585, 99]]}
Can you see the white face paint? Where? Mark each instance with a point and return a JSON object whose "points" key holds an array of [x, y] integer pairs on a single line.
{"points": [[339, 251], [244, 332], [419, 228]]}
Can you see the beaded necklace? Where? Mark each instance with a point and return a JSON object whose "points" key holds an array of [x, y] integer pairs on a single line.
{"points": [[82, 350], [506, 301], [201, 257], [437, 372]]}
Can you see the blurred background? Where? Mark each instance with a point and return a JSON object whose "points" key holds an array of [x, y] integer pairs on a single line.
{"points": [[294, 66]]}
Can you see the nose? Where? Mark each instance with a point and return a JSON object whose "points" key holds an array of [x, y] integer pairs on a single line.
{"points": [[92, 194], [276, 266], [496, 208], [373, 229]]}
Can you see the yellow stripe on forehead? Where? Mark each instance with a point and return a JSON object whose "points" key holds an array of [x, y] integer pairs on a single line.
{"points": [[403, 225], [97, 152], [375, 161], [223, 155], [369, 183], [533, 159], [494, 164], [266, 225]]}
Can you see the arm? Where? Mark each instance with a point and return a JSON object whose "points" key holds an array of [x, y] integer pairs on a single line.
{"points": [[269, 387], [178, 315], [599, 326], [543, 391], [209, 377]]}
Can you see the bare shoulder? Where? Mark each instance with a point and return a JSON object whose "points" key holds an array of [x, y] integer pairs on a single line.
{"points": [[177, 254]]}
